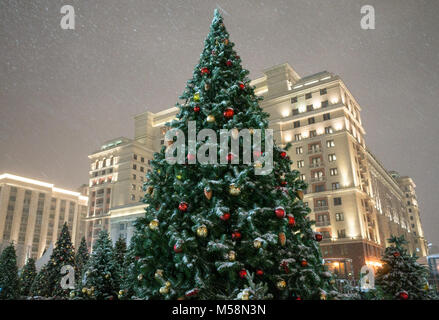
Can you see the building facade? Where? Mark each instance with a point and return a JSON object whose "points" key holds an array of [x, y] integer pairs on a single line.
{"points": [[33, 212], [356, 203]]}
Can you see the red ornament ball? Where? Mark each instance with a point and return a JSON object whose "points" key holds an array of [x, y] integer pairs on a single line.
{"points": [[236, 235], [205, 70], [283, 154], [291, 220], [225, 216], [229, 113], [280, 212], [241, 86], [192, 292], [318, 236], [196, 109], [229, 157], [177, 248], [304, 263], [396, 254], [229, 63], [403, 295], [259, 272], [243, 273], [183, 206], [283, 183]]}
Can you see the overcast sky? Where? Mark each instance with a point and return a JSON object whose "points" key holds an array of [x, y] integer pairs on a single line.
{"points": [[64, 92]]}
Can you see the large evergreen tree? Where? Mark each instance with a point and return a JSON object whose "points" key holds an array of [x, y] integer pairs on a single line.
{"points": [[208, 227], [27, 277], [101, 274], [9, 288], [63, 255], [81, 259], [401, 277]]}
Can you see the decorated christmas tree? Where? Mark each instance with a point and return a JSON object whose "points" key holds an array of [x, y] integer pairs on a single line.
{"points": [[81, 259], [41, 284], [120, 250], [401, 277], [9, 284], [63, 255], [128, 275], [225, 229], [27, 277], [101, 274]]}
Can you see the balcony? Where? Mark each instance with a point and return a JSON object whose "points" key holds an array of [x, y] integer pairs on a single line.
{"points": [[316, 165], [318, 179], [323, 223], [312, 151], [321, 208]]}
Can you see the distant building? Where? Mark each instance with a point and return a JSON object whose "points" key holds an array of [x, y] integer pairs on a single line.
{"points": [[33, 212], [356, 203]]}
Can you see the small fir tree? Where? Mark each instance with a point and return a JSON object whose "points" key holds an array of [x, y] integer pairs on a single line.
{"points": [[401, 277], [9, 284], [81, 259], [27, 277], [120, 250], [101, 274], [63, 255], [41, 284]]}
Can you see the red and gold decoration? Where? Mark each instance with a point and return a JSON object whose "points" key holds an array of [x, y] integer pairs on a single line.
{"points": [[283, 154], [304, 263], [300, 194], [396, 254], [236, 235], [403, 295], [225, 216], [183, 206], [259, 272], [202, 231], [231, 255], [280, 212], [196, 97], [228, 113], [291, 220], [208, 193], [257, 243], [191, 293], [197, 108], [205, 70], [210, 118], [229, 63], [241, 85], [281, 285], [282, 238], [234, 191], [154, 224], [243, 273], [318, 236], [178, 247]]}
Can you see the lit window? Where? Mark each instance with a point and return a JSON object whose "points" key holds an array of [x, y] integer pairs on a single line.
{"points": [[330, 143], [337, 201], [339, 216], [298, 137], [300, 163], [323, 91], [299, 150], [335, 185], [326, 116], [296, 124], [294, 100], [329, 130], [311, 120], [333, 171], [332, 157], [302, 177], [308, 95]]}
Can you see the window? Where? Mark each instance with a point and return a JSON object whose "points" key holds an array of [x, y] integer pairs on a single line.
{"points": [[341, 233], [410, 210], [142, 159], [311, 120], [326, 116], [103, 172], [337, 201], [309, 107], [335, 186], [308, 95], [408, 203], [142, 169], [325, 234], [299, 150], [300, 164], [295, 112], [135, 156], [314, 148], [162, 142], [325, 104], [328, 130], [121, 226], [330, 143], [133, 187], [302, 177], [96, 174], [319, 188], [413, 225], [134, 166], [134, 177], [312, 133], [323, 91], [332, 157], [133, 197], [298, 137], [296, 124], [294, 100], [339, 216], [333, 171], [411, 217]]}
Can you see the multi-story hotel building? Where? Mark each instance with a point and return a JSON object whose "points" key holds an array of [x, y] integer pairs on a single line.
{"points": [[117, 172], [355, 202], [33, 212]]}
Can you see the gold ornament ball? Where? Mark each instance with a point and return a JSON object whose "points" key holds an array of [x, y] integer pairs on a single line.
{"points": [[197, 96], [245, 295], [210, 118], [140, 277], [72, 294], [178, 177], [164, 290], [84, 290], [121, 292], [167, 284], [107, 276], [281, 284], [202, 231], [158, 273], [332, 281], [154, 224], [234, 191], [323, 296], [257, 244], [232, 256]]}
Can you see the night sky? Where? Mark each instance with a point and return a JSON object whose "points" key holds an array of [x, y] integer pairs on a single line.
{"points": [[64, 92]]}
